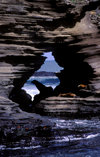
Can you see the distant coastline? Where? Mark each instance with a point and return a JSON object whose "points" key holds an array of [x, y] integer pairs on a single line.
{"points": [[44, 73]]}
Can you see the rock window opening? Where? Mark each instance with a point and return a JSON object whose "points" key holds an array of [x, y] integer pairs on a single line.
{"points": [[46, 75], [63, 71]]}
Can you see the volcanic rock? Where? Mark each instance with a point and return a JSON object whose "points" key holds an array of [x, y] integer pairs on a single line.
{"points": [[29, 28]]}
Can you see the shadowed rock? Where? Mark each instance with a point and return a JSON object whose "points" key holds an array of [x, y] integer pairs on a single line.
{"points": [[44, 91], [22, 98], [85, 90], [28, 29]]}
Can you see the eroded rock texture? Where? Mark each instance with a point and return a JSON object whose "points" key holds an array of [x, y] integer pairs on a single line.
{"points": [[29, 28]]}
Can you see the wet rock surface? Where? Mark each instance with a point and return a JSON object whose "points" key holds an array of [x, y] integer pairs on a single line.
{"points": [[29, 28]]}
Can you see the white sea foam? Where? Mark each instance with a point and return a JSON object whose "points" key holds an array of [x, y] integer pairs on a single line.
{"points": [[81, 122], [31, 92], [74, 138], [3, 147], [92, 136], [67, 138], [61, 123]]}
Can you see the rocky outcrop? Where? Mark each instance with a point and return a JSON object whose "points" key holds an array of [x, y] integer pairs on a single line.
{"points": [[27, 29], [44, 91], [69, 107]]}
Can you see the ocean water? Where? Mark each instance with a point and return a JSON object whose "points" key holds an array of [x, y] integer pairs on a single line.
{"points": [[71, 138], [31, 89], [45, 75]]}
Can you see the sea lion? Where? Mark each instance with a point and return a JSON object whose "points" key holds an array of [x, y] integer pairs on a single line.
{"points": [[67, 95], [82, 86]]}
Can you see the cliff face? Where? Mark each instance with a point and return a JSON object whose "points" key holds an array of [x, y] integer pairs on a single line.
{"points": [[28, 28]]}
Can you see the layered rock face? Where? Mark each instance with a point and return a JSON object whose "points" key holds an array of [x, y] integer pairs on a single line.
{"points": [[29, 28]]}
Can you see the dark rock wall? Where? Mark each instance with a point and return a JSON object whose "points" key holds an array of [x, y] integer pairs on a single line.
{"points": [[28, 28]]}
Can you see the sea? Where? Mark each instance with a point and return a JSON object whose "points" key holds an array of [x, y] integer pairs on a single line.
{"points": [[72, 138], [45, 75]]}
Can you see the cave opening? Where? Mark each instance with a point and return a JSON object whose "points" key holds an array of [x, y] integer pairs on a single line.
{"points": [[62, 71], [46, 75]]}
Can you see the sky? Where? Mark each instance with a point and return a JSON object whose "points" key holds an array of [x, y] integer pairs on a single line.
{"points": [[49, 56], [50, 65]]}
